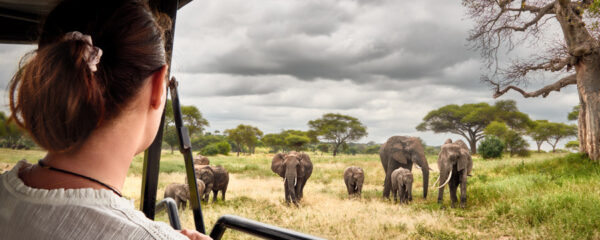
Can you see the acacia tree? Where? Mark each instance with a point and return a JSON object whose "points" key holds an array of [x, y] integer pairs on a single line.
{"points": [[470, 120], [558, 131], [244, 135], [576, 54], [338, 129], [539, 132]]}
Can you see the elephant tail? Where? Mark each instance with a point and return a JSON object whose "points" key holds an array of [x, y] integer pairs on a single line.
{"points": [[447, 180]]}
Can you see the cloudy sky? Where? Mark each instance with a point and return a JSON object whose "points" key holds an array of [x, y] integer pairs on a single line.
{"points": [[278, 64]]}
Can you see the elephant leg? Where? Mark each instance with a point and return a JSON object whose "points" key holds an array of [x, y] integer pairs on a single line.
{"points": [[349, 188], [302, 187], [463, 191], [387, 183], [215, 195], [453, 187], [223, 193], [401, 192], [394, 193], [443, 177], [298, 190]]}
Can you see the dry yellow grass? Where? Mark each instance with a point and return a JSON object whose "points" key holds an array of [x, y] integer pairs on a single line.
{"points": [[510, 198]]}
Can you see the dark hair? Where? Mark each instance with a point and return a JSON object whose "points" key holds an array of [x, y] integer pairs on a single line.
{"points": [[57, 98]]}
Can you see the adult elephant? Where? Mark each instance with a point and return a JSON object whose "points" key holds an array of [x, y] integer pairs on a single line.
{"points": [[215, 178], [402, 152], [455, 164], [295, 168]]}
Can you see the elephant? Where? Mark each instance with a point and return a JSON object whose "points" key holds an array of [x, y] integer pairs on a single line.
{"points": [[215, 178], [455, 164], [402, 152], [402, 180], [295, 169], [354, 178], [181, 192], [201, 160]]}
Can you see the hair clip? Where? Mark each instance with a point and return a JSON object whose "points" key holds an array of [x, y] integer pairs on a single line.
{"points": [[92, 54]]}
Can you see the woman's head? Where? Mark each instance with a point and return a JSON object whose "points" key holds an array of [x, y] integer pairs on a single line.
{"points": [[57, 97]]}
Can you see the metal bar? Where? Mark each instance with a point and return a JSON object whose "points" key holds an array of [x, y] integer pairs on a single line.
{"points": [[170, 206], [255, 228], [21, 16], [186, 151]]}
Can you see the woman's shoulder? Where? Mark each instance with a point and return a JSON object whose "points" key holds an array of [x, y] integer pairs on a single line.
{"points": [[55, 213]]}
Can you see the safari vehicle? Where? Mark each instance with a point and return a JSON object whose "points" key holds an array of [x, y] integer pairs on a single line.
{"points": [[20, 20]]}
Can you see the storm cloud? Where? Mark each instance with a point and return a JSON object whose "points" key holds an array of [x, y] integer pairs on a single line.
{"points": [[278, 64]]}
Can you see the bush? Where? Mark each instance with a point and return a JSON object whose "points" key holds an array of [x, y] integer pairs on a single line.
{"points": [[372, 149], [224, 147], [515, 144], [490, 147], [210, 150]]}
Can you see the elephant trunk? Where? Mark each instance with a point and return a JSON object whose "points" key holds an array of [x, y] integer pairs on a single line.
{"points": [[422, 162], [291, 180]]}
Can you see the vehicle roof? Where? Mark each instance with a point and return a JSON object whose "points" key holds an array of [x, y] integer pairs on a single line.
{"points": [[20, 19]]}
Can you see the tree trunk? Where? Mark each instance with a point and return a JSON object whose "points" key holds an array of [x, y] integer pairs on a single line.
{"points": [[588, 85], [335, 149], [473, 145], [539, 145]]}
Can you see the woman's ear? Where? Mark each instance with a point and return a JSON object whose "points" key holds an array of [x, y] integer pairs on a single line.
{"points": [[158, 87]]}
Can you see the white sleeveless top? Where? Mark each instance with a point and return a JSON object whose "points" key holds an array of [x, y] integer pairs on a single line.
{"points": [[31, 213]]}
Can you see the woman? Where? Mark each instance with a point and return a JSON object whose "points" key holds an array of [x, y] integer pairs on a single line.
{"points": [[92, 95]]}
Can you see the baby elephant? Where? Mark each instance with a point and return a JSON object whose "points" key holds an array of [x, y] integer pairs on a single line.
{"points": [[402, 180], [201, 160], [354, 178], [181, 193]]}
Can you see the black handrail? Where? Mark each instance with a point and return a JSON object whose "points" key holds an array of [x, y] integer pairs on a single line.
{"points": [[170, 206], [255, 228]]}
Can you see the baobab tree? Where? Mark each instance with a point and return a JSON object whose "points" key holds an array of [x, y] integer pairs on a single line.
{"points": [[574, 55]]}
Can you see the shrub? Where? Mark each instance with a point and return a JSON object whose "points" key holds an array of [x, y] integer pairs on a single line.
{"points": [[210, 150], [515, 144], [491, 147], [224, 147]]}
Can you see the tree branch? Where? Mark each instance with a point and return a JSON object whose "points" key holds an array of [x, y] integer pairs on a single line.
{"points": [[540, 13], [571, 79]]}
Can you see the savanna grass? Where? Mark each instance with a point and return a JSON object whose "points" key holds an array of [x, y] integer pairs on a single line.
{"points": [[544, 196]]}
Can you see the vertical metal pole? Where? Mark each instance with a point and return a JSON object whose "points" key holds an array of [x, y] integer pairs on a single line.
{"points": [[186, 151]]}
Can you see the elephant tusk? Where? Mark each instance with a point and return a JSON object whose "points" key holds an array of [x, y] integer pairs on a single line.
{"points": [[284, 179], [436, 181], [356, 187], [447, 180], [295, 181]]}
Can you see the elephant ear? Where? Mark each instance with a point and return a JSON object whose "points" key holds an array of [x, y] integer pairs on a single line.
{"points": [[277, 164], [305, 164], [463, 161], [398, 153]]}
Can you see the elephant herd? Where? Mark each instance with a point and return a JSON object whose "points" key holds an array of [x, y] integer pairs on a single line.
{"points": [[208, 179], [397, 155]]}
